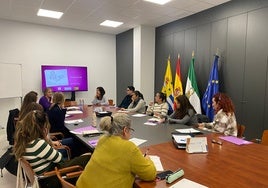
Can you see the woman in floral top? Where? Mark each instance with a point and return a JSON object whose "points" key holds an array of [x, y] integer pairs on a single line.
{"points": [[224, 118]]}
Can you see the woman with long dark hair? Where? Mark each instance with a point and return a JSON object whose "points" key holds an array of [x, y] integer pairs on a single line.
{"points": [[99, 98], [137, 104], [184, 113]]}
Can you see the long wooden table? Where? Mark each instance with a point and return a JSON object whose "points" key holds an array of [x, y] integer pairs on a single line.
{"points": [[226, 165]]}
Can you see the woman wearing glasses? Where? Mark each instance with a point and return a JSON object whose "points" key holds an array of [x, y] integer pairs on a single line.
{"points": [[116, 160]]}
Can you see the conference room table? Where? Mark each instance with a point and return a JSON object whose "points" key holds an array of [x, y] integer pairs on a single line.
{"points": [[152, 134], [226, 165]]}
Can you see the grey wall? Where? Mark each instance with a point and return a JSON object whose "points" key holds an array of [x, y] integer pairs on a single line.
{"points": [[124, 63], [240, 30]]}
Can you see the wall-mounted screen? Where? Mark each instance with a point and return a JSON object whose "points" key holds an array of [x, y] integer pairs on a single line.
{"points": [[64, 78]]}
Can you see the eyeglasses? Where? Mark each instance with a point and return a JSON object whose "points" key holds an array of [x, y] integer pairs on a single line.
{"points": [[131, 130]]}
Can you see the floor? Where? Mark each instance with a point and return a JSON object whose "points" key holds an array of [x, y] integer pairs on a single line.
{"points": [[8, 180]]}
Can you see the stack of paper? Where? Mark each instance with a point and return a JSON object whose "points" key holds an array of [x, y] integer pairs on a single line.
{"points": [[197, 145], [181, 139], [83, 129], [157, 163], [235, 140]]}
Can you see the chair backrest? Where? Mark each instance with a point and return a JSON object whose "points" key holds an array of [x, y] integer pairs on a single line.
{"points": [[28, 172], [68, 172], [240, 130], [264, 139]]}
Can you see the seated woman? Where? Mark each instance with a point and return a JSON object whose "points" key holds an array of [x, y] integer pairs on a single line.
{"points": [[46, 100], [56, 114], [158, 109], [224, 118], [137, 104], [100, 99], [116, 161], [28, 98], [32, 144], [64, 141], [184, 113], [127, 99]]}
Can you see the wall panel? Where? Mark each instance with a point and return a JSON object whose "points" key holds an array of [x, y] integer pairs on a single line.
{"points": [[124, 63]]}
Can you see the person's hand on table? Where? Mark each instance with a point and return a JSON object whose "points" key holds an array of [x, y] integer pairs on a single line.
{"points": [[201, 125]]}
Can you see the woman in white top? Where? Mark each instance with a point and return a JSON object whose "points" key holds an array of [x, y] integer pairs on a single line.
{"points": [[158, 109], [100, 99], [137, 104]]}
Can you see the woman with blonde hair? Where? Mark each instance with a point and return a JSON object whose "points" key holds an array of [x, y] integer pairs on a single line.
{"points": [[116, 161]]}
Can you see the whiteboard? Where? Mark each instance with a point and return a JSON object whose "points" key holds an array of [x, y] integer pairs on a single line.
{"points": [[10, 80]]}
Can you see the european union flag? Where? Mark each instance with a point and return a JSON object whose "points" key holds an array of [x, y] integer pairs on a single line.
{"points": [[212, 88]]}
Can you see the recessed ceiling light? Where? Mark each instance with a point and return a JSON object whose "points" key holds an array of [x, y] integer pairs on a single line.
{"points": [[160, 2], [110, 23], [49, 13]]}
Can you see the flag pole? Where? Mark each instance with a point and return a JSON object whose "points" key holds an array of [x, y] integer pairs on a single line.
{"points": [[217, 52]]}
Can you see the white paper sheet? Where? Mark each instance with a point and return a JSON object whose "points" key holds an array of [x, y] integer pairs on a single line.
{"points": [[157, 163], [150, 123], [137, 141], [73, 108], [74, 121], [185, 183], [190, 130], [74, 112], [181, 138], [139, 115]]}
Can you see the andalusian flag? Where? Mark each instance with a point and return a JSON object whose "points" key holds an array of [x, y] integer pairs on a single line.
{"points": [[168, 86], [191, 90], [178, 90]]}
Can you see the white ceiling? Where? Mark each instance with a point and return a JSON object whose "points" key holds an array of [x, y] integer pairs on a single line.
{"points": [[88, 14]]}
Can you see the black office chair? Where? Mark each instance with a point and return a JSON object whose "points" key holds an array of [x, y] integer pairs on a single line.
{"points": [[11, 122]]}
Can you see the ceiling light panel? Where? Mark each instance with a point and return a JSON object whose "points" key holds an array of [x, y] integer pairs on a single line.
{"points": [[160, 2], [110, 23], [49, 13]]}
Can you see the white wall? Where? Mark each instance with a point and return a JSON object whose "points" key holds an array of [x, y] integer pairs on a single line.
{"points": [[144, 61], [33, 45]]}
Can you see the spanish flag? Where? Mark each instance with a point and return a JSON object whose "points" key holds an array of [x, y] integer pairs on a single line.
{"points": [[178, 90], [168, 87]]}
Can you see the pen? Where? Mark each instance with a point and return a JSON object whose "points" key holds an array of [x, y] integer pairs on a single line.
{"points": [[146, 152]]}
